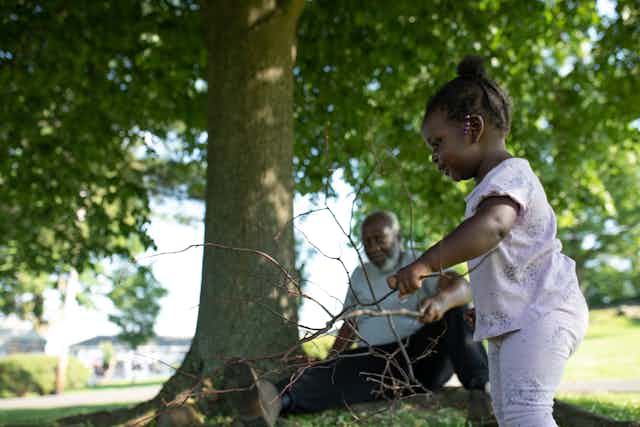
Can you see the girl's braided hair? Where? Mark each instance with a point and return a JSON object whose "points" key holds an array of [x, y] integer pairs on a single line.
{"points": [[472, 92]]}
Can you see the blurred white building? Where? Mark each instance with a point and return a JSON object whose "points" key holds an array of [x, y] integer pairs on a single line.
{"points": [[158, 358], [18, 336]]}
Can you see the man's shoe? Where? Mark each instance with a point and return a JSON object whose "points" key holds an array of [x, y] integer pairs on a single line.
{"points": [[257, 403]]}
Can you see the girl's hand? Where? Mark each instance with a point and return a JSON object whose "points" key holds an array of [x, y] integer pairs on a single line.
{"points": [[408, 279]]}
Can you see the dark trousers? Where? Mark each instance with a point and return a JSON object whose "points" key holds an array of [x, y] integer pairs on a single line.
{"points": [[436, 351]]}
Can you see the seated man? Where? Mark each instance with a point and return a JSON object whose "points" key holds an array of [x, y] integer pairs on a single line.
{"points": [[438, 344]]}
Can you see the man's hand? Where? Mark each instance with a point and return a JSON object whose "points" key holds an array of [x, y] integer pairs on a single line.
{"points": [[470, 317], [408, 279], [344, 339], [432, 309]]}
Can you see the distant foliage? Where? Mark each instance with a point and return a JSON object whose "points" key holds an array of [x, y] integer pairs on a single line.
{"points": [[135, 295], [22, 374]]}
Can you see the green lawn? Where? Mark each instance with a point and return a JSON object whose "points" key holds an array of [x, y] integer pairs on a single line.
{"points": [[44, 416], [405, 415], [41, 417], [619, 406], [611, 349]]}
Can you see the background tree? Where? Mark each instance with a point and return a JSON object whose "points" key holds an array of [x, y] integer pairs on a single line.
{"points": [[108, 355], [135, 294], [73, 154]]}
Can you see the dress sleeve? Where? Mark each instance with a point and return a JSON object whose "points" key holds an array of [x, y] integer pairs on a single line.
{"points": [[513, 181]]}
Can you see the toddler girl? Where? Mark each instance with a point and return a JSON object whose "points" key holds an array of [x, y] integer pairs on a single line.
{"points": [[528, 303]]}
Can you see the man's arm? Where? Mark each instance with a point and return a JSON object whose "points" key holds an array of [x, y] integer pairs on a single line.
{"points": [[344, 338], [453, 291]]}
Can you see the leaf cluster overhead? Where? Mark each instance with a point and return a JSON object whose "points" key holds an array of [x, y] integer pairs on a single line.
{"points": [[364, 75], [106, 105]]}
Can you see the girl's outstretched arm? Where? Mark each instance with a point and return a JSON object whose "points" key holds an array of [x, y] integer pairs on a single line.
{"points": [[474, 237]]}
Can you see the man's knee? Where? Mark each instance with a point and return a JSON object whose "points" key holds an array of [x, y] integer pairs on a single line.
{"points": [[454, 314]]}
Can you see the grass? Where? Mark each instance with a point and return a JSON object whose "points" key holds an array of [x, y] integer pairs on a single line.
{"points": [[41, 417], [619, 406], [44, 416], [405, 415], [610, 351], [623, 407]]}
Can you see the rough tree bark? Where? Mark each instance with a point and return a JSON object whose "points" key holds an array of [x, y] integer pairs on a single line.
{"points": [[249, 199]]}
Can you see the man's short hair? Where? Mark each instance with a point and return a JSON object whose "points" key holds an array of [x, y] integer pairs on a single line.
{"points": [[389, 216]]}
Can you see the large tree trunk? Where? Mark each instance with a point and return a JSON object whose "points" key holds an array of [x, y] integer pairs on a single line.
{"points": [[249, 200], [245, 309]]}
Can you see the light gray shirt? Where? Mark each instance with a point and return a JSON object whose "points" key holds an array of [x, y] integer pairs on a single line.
{"points": [[376, 330]]}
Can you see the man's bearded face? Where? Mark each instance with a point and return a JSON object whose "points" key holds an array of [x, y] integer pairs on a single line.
{"points": [[381, 244]]}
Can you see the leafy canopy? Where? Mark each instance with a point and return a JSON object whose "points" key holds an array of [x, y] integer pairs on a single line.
{"points": [[94, 91], [365, 73]]}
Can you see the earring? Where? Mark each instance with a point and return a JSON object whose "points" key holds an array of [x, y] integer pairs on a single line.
{"points": [[467, 124]]}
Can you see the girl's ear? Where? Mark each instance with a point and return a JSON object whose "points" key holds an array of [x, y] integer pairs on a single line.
{"points": [[476, 127]]}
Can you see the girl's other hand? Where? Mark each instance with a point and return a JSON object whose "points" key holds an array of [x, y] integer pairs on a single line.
{"points": [[408, 279]]}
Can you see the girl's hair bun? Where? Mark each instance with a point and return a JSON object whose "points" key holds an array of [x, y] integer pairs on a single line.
{"points": [[472, 66]]}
